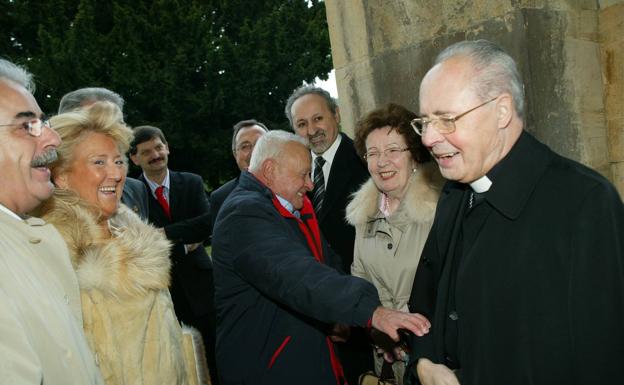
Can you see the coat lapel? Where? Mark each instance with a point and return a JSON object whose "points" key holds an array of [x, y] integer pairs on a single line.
{"points": [[338, 177]]}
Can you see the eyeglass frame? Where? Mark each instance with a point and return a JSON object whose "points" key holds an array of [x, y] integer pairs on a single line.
{"points": [[241, 147], [30, 126], [391, 150], [417, 123]]}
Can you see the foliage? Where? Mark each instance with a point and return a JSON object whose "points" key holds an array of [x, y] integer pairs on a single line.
{"points": [[192, 68]]}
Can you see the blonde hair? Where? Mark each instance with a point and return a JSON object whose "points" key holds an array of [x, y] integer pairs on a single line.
{"points": [[101, 117]]}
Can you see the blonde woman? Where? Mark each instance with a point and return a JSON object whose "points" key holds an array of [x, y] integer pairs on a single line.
{"points": [[122, 263]]}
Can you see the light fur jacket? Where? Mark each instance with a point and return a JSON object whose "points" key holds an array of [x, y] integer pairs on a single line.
{"points": [[128, 314], [387, 250]]}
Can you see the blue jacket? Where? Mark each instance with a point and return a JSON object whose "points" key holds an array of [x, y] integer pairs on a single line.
{"points": [[275, 295]]}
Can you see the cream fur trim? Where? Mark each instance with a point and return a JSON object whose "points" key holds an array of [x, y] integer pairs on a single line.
{"points": [[419, 202]]}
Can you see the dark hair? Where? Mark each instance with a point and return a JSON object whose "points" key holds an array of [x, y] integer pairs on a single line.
{"points": [[398, 118], [143, 134], [243, 124], [306, 90], [73, 100]]}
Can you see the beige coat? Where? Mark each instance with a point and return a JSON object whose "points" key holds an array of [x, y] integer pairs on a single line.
{"points": [[127, 309], [41, 338], [387, 250]]}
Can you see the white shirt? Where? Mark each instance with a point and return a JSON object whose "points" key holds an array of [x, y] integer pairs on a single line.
{"points": [[328, 155], [153, 186], [11, 213], [481, 185]]}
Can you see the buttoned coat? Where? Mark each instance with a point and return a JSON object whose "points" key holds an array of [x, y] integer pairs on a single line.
{"points": [[41, 336], [540, 293], [275, 300], [127, 310], [387, 249]]}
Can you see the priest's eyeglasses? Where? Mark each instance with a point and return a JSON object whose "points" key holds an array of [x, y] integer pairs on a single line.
{"points": [[445, 124], [34, 127]]}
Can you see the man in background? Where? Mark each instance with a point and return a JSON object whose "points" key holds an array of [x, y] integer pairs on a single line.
{"points": [[337, 173], [244, 137], [176, 197]]}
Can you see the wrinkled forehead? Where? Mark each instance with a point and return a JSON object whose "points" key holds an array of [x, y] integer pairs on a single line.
{"points": [[446, 84], [16, 102]]}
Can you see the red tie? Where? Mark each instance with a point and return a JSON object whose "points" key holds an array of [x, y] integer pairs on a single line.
{"points": [[160, 196]]}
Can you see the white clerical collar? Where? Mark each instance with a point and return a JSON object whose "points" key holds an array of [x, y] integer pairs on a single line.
{"points": [[9, 212], [481, 185]]}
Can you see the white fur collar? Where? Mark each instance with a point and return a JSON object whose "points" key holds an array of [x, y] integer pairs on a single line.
{"points": [[418, 204]]}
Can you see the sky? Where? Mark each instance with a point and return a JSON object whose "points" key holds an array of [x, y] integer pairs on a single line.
{"points": [[329, 85]]}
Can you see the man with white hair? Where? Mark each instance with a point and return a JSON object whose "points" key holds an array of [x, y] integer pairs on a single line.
{"points": [[276, 297], [41, 336], [523, 270]]}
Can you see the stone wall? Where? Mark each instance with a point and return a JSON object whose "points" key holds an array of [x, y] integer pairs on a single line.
{"points": [[570, 54]]}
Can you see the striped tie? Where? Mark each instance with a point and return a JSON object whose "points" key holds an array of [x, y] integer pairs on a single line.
{"points": [[319, 184]]}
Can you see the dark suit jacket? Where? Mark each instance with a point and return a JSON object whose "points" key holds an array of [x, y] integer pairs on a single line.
{"points": [[347, 174], [199, 228], [190, 272], [540, 292], [135, 195], [218, 196]]}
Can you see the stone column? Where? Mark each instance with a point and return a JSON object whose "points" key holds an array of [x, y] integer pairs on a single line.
{"points": [[570, 54]]}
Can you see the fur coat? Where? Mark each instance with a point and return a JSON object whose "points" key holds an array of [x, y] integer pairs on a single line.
{"points": [[127, 310]]}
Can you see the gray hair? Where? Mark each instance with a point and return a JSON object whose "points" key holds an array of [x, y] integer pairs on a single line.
{"points": [[17, 74], [271, 145], [495, 71], [244, 124], [306, 90], [74, 100]]}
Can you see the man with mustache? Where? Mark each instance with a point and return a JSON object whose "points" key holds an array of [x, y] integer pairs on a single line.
{"points": [[175, 198], [337, 173], [134, 191], [276, 296], [41, 337]]}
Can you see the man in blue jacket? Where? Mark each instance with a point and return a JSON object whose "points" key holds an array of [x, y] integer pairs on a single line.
{"points": [[276, 297]]}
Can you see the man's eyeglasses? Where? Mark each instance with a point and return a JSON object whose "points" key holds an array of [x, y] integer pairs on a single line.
{"points": [[445, 124], [34, 127], [392, 153]]}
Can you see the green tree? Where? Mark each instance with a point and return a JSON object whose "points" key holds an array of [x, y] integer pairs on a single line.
{"points": [[192, 68]]}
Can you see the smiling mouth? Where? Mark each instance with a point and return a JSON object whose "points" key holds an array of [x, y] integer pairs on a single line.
{"points": [[446, 155], [387, 174], [155, 160], [110, 189]]}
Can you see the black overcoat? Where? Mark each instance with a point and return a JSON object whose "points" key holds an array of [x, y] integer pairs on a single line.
{"points": [[540, 293]]}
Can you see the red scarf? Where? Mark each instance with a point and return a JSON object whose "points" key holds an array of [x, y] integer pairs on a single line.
{"points": [[310, 229]]}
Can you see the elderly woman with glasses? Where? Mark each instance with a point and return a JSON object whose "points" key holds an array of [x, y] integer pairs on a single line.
{"points": [[393, 211], [122, 263]]}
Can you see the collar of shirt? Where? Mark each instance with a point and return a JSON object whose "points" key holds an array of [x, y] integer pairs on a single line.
{"points": [[288, 206], [481, 185], [153, 185], [9, 212], [328, 155]]}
